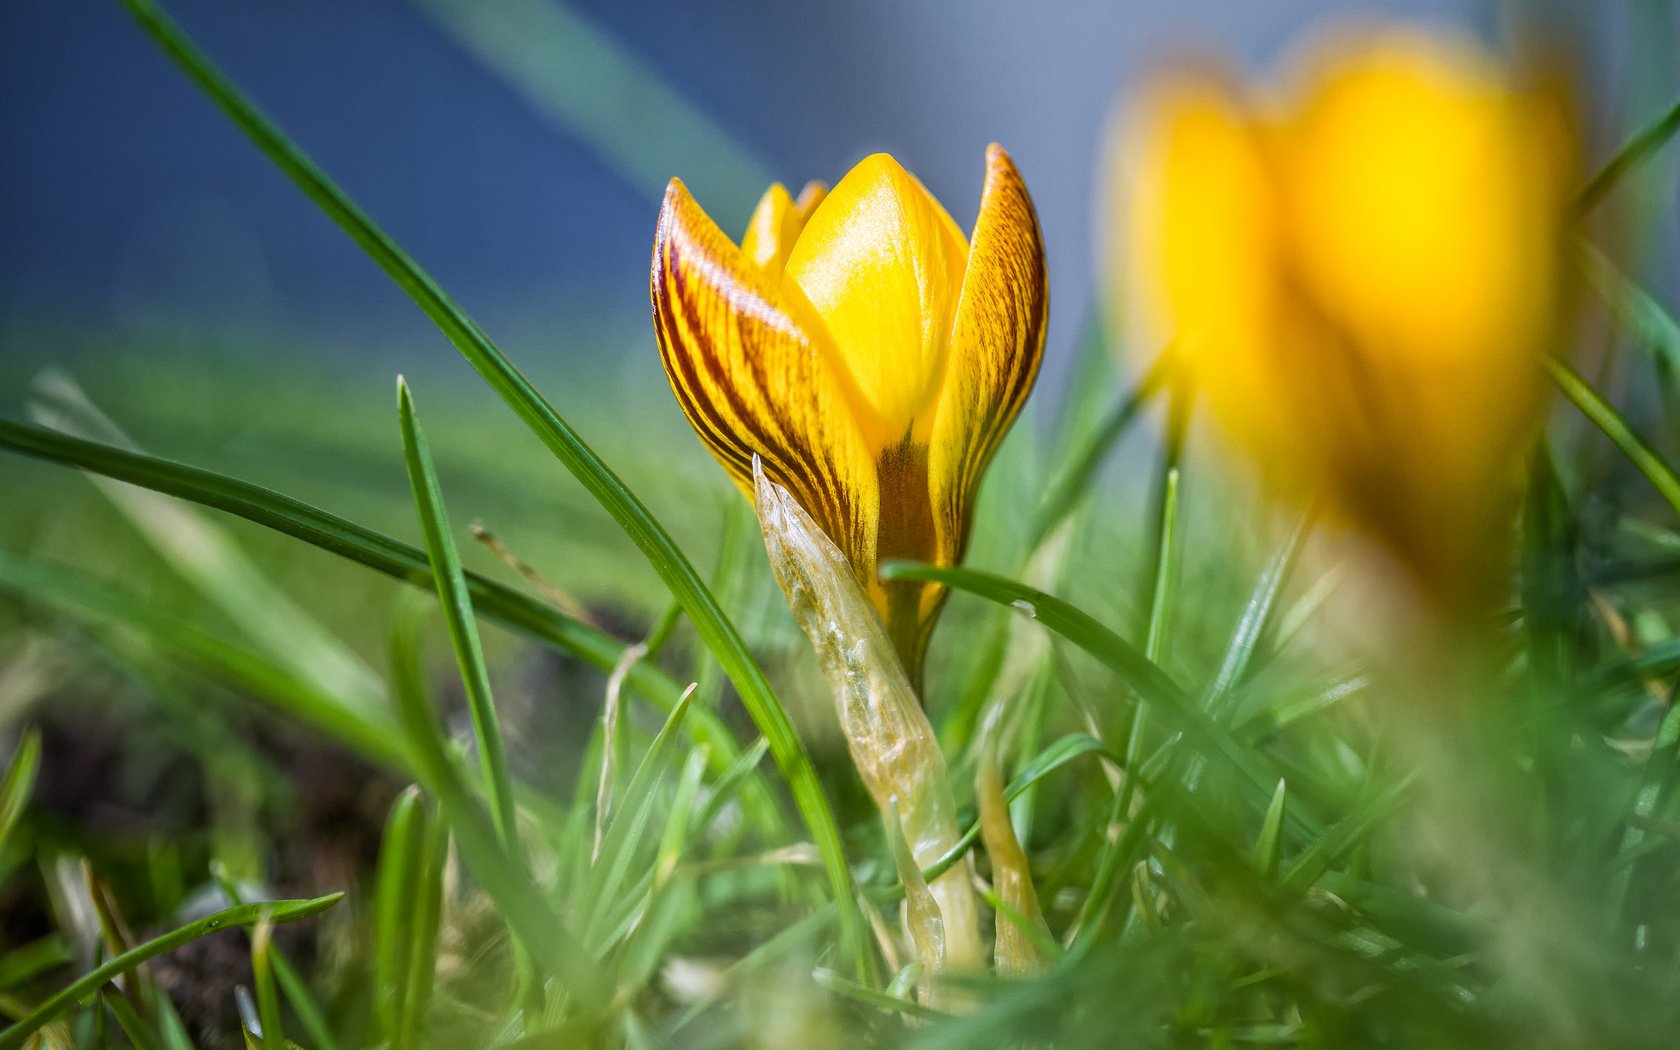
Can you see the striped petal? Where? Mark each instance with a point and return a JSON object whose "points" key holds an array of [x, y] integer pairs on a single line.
{"points": [[997, 340], [753, 372]]}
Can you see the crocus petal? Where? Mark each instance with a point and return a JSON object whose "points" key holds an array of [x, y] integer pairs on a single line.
{"points": [[752, 373], [1200, 257], [997, 340], [774, 226], [809, 197], [1422, 201], [882, 264]]}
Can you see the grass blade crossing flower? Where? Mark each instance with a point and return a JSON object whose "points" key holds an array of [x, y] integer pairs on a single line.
{"points": [[870, 354]]}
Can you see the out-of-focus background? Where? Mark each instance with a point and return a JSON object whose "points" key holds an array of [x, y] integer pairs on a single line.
{"points": [[518, 149]]}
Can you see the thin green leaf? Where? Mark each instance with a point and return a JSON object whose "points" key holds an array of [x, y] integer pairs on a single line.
{"points": [[239, 915], [502, 876], [1150, 682], [1256, 618], [206, 557], [425, 922], [1646, 141], [709, 620], [262, 975], [870, 997], [396, 559], [1635, 448], [19, 781], [128, 1019], [1042, 765], [396, 899], [1268, 845], [362, 726], [603, 897], [303, 1001], [1347, 833], [458, 616]]}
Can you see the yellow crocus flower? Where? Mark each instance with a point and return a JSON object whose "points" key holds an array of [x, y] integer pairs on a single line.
{"points": [[867, 351], [1360, 274]]}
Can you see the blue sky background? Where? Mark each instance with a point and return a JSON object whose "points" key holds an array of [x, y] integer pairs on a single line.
{"points": [[126, 200]]}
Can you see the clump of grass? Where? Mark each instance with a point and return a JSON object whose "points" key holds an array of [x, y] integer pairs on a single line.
{"points": [[1232, 839]]}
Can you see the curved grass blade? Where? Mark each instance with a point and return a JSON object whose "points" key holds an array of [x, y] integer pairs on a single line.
{"points": [[458, 615], [87, 984], [394, 558], [303, 1001], [868, 996], [713, 626], [1646, 141], [363, 726], [1347, 833], [1046, 762], [1616, 428], [205, 556], [1142, 674]]}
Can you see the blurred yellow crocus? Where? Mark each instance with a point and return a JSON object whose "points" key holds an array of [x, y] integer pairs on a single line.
{"points": [[867, 351], [1360, 274]]}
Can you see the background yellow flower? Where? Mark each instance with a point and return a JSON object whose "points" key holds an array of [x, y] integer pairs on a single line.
{"points": [[1359, 271]]}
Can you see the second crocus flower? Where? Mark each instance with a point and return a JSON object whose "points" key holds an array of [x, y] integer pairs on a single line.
{"points": [[1359, 269]]}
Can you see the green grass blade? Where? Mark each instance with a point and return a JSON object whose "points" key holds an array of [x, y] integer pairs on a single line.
{"points": [[709, 620], [862, 993], [426, 921], [262, 975], [1152, 684], [206, 557], [1074, 479], [87, 984], [19, 781], [1268, 844], [1042, 765], [128, 1019], [675, 836], [1646, 141], [503, 877], [1616, 428], [396, 900], [303, 1001], [1347, 833], [458, 615], [626, 832], [731, 783], [1636, 309], [336, 535], [1256, 618]]}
